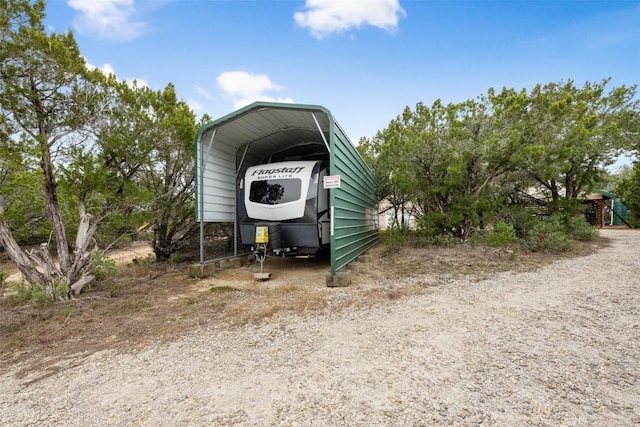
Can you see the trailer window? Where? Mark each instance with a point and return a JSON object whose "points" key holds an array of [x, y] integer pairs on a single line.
{"points": [[275, 191]]}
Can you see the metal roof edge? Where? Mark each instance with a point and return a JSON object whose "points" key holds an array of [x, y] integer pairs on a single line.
{"points": [[256, 106], [605, 193]]}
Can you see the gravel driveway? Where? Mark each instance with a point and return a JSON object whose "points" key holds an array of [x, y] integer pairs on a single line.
{"points": [[557, 346]]}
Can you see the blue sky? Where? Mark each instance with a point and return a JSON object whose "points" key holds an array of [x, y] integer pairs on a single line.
{"points": [[364, 60]]}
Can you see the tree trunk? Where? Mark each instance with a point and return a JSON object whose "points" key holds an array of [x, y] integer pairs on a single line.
{"points": [[80, 273], [38, 266], [555, 195], [466, 229], [569, 184], [18, 256], [76, 287], [50, 272], [54, 211]]}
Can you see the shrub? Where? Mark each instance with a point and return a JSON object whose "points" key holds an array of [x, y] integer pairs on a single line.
{"points": [[34, 294], [103, 266], [394, 236], [40, 294], [501, 235], [521, 218], [557, 242], [549, 234], [60, 290], [580, 229], [442, 240]]}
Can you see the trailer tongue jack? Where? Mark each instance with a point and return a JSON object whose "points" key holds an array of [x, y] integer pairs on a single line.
{"points": [[260, 252]]}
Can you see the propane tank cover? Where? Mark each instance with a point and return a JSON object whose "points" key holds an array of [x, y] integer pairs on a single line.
{"points": [[262, 234]]}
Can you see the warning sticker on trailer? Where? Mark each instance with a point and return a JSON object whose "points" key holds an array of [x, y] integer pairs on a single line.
{"points": [[331, 181]]}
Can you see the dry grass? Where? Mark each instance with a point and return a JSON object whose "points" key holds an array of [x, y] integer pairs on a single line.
{"points": [[152, 302]]}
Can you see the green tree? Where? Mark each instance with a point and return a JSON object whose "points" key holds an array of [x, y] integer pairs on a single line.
{"points": [[158, 130], [53, 109], [169, 173], [628, 189], [22, 197], [575, 133], [445, 158], [383, 160], [460, 162]]}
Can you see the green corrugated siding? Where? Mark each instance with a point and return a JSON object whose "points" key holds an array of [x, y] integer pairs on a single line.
{"points": [[621, 209], [354, 203]]}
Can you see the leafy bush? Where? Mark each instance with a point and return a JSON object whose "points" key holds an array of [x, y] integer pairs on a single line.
{"points": [[396, 237], [501, 235], [549, 234], [40, 294], [37, 294], [393, 237], [522, 219], [580, 229], [103, 266], [442, 240], [557, 242], [60, 290], [441, 229]]}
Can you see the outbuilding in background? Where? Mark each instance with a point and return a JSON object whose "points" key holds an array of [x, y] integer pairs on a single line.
{"points": [[605, 209], [226, 147]]}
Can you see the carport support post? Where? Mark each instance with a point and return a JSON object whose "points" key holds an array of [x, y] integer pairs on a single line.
{"points": [[202, 163], [330, 277], [320, 130], [235, 201]]}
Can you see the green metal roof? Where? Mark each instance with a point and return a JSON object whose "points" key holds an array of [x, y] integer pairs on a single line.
{"points": [[606, 194]]}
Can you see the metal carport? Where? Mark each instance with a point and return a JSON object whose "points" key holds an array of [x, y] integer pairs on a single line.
{"points": [[225, 147]]}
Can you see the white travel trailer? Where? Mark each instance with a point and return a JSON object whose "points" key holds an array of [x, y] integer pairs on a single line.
{"points": [[289, 198]]}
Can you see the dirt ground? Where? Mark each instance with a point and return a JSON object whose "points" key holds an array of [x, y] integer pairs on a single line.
{"points": [[149, 302]]}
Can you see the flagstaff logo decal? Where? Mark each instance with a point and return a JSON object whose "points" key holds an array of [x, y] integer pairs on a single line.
{"points": [[277, 173]]}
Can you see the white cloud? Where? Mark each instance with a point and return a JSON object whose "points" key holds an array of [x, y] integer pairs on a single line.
{"points": [[107, 69], [243, 84], [194, 105], [109, 19], [136, 82], [239, 103], [324, 17], [246, 88], [203, 92]]}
